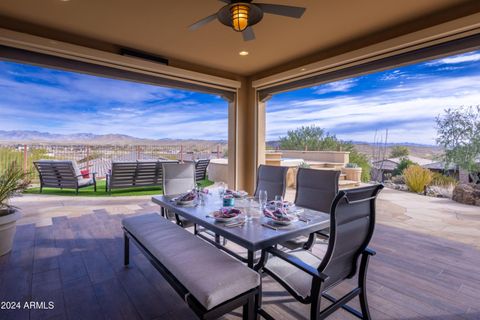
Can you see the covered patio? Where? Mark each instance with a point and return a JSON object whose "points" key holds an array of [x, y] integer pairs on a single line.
{"points": [[74, 256], [76, 259]]}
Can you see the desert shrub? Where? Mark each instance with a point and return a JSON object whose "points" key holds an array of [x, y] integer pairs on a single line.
{"points": [[304, 165], [398, 179], [402, 165], [442, 180], [417, 178]]}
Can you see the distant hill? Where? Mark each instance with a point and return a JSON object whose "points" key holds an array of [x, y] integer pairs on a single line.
{"points": [[28, 137], [416, 149]]}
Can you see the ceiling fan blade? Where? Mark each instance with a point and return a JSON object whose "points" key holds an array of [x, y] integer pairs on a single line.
{"points": [[281, 10], [248, 34], [202, 22]]}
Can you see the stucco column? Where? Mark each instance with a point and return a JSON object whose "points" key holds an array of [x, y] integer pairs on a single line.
{"points": [[247, 136]]}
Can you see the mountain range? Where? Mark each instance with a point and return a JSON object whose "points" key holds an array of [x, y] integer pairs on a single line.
{"points": [[27, 136]]}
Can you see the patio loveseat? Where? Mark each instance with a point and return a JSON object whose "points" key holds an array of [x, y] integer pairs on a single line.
{"points": [[135, 174], [63, 174], [211, 282]]}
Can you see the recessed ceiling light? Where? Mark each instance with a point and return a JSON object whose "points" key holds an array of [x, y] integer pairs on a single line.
{"points": [[243, 53], [303, 69]]}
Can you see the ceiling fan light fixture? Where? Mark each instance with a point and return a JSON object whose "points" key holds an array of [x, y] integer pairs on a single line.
{"points": [[240, 14]]}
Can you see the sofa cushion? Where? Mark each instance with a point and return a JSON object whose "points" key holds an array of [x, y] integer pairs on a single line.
{"points": [[82, 182], [209, 274]]}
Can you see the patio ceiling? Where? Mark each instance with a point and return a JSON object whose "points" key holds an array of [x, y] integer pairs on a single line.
{"points": [[160, 27]]}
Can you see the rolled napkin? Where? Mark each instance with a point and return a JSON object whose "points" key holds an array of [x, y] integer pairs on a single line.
{"points": [[277, 214], [190, 196], [226, 213]]}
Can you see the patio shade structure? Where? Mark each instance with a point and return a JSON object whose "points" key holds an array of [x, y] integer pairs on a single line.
{"points": [[148, 41]]}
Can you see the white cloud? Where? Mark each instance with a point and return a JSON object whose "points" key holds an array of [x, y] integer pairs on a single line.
{"points": [[408, 111], [337, 86], [461, 58]]}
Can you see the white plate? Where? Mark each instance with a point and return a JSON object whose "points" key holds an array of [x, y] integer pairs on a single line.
{"points": [[284, 222], [219, 219], [185, 203]]}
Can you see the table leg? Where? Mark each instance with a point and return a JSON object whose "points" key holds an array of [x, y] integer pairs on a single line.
{"points": [[162, 211], [217, 238], [250, 258]]}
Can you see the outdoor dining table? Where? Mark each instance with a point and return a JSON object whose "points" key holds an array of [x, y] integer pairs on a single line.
{"points": [[253, 235]]}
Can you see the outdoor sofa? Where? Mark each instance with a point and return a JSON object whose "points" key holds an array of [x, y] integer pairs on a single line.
{"points": [[135, 174], [63, 174]]}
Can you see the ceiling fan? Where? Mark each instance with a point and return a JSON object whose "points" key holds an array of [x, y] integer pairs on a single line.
{"points": [[241, 15]]}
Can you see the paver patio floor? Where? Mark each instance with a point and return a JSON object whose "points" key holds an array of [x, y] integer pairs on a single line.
{"points": [[69, 250]]}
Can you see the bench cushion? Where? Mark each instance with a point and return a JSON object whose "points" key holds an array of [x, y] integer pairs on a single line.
{"points": [[209, 274]]}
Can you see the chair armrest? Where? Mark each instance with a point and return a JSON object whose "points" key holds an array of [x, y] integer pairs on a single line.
{"points": [[369, 251], [297, 263]]}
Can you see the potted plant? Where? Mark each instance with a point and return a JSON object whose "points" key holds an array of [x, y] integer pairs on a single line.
{"points": [[353, 172], [12, 182]]}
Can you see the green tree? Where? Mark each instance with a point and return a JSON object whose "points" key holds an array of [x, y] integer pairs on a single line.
{"points": [[399, 152], [458, 132], [314, 138], [402, 165]]}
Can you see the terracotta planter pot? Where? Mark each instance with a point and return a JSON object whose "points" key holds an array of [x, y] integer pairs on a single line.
{"points": [[8, 225], [354, 174]]}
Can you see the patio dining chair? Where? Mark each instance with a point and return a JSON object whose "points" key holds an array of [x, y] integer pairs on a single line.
{"points": [[272, 179], [178, 178], [316, 190], [308, 277]]}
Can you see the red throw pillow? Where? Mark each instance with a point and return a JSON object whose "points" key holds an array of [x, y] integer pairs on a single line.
{"points": [[85, 173]]}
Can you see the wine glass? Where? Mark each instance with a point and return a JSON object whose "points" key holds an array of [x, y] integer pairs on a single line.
{"points": [[262, 198], [221, 189], [249, 211], [278, 202]]}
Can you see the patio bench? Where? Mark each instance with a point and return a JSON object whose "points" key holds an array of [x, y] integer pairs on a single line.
{"points": [[135, 174], [211, 282]]}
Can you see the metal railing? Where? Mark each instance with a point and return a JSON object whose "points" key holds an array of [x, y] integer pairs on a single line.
{"points": [[98, 158]]}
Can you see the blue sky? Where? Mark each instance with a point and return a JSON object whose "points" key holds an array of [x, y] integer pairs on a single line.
{"points": [[405, 100], [34, 98]]}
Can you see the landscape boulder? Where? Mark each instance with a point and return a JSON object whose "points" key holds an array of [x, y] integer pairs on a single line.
{"points": [[467, 193]]}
